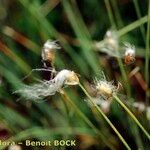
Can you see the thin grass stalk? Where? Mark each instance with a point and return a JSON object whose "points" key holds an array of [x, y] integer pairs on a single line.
{"points": [[147, 54], [138, 12], [100, 120], [110, 13], [48, 6], [66, 108], [51, 31], [132, 116], [124, 74], [128, 90], [136, 134], [26, 42], [102, 125], [132, 26], [125, 77], [17, 59], [117, 14], [82, 115], [122, 69], [82, 33], [105, 117]]}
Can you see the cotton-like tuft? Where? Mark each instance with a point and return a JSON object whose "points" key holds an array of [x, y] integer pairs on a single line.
{"points": [[43, 89]]}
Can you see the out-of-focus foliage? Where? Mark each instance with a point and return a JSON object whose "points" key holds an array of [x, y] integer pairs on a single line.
{"points": [[25, 25]]}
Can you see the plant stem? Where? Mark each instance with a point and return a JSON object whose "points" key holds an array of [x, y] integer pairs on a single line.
{"points": [[138, 12], [105, 117], [125, 77], [122, 69], [68, 100], [110, 14], [117, 13], [147, 54], [132, 116], [132, 26]]}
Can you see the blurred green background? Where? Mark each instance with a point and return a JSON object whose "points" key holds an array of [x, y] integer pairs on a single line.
{"points": [[25, 25]]}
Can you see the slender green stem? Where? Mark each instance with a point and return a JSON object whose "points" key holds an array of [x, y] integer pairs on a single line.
{"points": [[125, 77], [135, 131], [138, 12], [82, 33], [147, 53], [66, 109], [105, 117], [68, 100], [50, 30], [122, 69], [117, 13], [110, 14], [132, 26], [128, 91], [132, 116], [78, 111]]}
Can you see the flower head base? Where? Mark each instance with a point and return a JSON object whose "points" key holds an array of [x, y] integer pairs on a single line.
{"points": [[48, 51], [72, 79], [106, 89], [43, 89], [68, 77]]}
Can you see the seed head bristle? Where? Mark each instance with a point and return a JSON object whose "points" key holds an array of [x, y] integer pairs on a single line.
{"points": [[129, 49], [48, 51], [106, 89], [43, 89]]}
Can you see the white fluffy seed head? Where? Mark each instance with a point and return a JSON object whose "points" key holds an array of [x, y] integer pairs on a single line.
{"points": [[48, 51], [129, 49], [110, 44], [68, 77], [106, 89], [52, 45], [72, 79], [111, 40], [43, 89]]}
